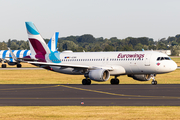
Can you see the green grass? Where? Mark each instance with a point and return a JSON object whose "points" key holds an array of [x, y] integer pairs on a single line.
{"points": [[177, 60], [23, 65], [89, 113], [48, 77], [82, 112]]}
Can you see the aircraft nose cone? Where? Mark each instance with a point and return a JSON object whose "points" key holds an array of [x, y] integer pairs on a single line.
{"points": [[173, 66]]}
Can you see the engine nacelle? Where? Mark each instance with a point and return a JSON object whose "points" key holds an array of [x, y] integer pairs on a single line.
{"points": [[12, 63], [142, 77], [99, 75]]}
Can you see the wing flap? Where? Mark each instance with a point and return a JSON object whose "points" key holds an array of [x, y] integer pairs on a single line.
{"points": [[43, 64], [60, 65]]}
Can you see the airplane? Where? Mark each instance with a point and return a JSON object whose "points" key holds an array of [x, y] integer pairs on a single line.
{"points": [[5, 56], [99, 66]]}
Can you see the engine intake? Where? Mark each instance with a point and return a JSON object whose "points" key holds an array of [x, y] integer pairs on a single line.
{"points": [[99, 75], [142, 77]]}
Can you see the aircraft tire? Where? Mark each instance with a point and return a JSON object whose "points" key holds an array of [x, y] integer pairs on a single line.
{"points": [[3, 65], [19, 65], [154, 82], [114, 81], [86, 81], [89, 81]]}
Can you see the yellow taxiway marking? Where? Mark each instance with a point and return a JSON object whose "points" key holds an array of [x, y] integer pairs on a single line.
{"points": [[89, 90], [30, 88], [77, 98], [121, 95]]}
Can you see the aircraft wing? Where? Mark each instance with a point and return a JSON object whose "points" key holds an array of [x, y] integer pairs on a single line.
{"points": [[60, 65], [27, 59], [70, 65]]}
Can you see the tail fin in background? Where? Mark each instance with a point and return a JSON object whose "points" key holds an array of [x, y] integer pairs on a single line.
{"points": [[36, 42], [52, 44]]}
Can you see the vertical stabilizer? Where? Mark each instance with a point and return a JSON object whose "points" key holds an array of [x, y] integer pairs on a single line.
{"points": [[52, 44], [36, 42]]}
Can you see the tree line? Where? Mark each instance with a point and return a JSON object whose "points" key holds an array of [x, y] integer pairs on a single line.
{"points": [[89, 43]]}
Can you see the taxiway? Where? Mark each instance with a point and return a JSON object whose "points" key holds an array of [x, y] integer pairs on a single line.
{"points": [[89, 95]]}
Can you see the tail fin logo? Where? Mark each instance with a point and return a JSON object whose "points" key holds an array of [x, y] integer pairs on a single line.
{"points": [[37, 44], [39, 49], [31, 28]]}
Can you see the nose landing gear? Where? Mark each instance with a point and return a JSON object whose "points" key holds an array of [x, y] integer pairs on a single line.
{"points": [[154, 82]]}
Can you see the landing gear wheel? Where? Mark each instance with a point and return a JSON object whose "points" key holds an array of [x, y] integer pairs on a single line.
{"points": [[154, 82], [18, 65], [86, 81], [3, 65], [89, 81], [114, 81]]}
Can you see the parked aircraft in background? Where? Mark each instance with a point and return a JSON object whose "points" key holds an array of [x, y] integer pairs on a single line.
{"points": [[98, 66], [5, 56]]}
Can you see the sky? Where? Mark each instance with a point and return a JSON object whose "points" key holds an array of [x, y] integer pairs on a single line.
{"points": [[102, 18]]}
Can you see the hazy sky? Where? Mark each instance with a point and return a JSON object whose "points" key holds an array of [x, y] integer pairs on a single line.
{"points": [[101, 18]]}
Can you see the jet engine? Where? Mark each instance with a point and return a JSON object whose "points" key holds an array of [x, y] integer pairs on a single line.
{"points": [[12, 63], [142, 77], [99, 75]]}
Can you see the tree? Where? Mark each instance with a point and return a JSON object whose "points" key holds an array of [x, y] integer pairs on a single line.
{"points": [[108, 48], [69, 45], [3, 46], [175, 50], [138, 47], [86, 38], [14, 46], [97, 48], [127, 48], [174, 43], [9, 43]]}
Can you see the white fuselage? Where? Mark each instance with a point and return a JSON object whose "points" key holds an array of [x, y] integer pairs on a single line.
{"points": [[134, 62]]}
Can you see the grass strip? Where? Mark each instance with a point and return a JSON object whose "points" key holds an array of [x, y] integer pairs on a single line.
{"points": [[89, 112], [48, 77]]}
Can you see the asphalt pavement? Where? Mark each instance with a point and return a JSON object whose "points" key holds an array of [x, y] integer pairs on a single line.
{"points": [[89, 95]]}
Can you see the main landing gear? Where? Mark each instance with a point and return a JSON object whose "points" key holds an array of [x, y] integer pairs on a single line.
{"points": [[18, 65], [86, 81], [3, 65], [114, 81], [154, 82]]}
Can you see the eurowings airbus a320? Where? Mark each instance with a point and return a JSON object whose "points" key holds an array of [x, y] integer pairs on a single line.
{"points": [[99, 66]]}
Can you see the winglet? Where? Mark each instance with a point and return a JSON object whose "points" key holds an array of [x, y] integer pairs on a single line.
{"points": [[52, 44]]}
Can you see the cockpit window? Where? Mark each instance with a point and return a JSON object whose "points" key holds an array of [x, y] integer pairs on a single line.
{"points": [[158, 58], [163, 58], [167, 58]]}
